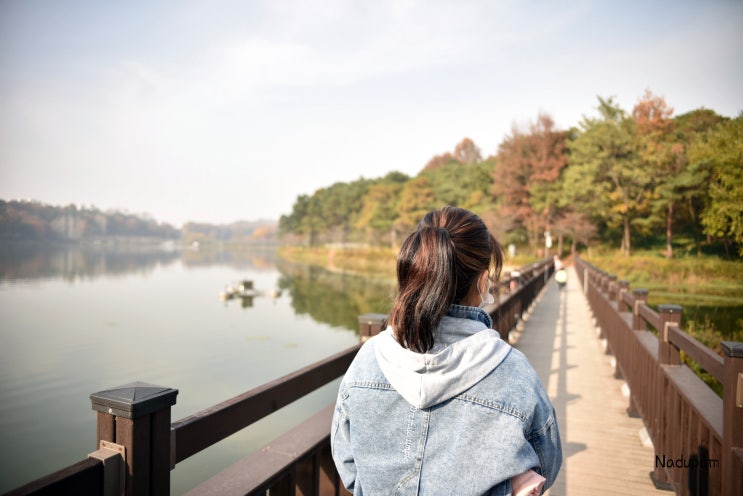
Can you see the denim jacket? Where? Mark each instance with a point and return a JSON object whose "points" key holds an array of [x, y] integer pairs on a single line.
{"points": [[462, 419]]}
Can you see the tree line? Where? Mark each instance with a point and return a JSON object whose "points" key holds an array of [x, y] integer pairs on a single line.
{"points": [[39, 222], [629, 179], [36, 221]]}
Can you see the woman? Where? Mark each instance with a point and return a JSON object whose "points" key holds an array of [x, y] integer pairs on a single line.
{"points": [[437, 403]]}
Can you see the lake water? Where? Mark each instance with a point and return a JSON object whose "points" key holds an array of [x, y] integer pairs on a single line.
{"points": [[77, 321]]}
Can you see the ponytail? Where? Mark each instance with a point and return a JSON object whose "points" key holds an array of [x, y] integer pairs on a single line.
{"points": [[425, 264], [436, 266]]}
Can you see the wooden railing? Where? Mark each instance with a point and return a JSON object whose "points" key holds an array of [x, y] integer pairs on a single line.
{"points": [[518, 291], [697, 436], [139, 445]]}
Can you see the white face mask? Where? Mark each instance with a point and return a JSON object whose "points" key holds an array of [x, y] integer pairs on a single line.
{"points": [[488, 298]]}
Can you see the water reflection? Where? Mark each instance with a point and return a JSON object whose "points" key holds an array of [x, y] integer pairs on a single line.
{"points": [[27, 261], [334, 298], [256, 258], [328, 297], [63, 341]]}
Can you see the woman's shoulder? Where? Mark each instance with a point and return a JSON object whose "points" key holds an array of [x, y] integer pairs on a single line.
{"points": [[520, 369], [364, 365], [518, 366], [514, 381]]}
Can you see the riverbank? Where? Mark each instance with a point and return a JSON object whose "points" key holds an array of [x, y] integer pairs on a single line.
{"points": [[708, 288], [692, 282], [365, 260]]}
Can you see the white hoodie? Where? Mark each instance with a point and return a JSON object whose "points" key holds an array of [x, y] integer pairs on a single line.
{"points": [[465, 351]]}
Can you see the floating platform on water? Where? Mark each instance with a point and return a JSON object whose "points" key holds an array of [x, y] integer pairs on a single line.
{"points": [[245, 289]]}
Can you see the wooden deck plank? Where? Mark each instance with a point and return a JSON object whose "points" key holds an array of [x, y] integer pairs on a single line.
{"points": [[602, 451]]}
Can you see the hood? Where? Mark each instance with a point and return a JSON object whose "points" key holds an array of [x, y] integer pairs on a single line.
{"points": [[466, 351]]}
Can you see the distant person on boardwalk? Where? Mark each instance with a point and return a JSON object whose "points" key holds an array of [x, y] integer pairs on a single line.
{"points": [[558, 263], [561, 275], [437, 403]]}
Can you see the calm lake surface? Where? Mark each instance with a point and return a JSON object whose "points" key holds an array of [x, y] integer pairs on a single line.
{"points": [[78, 321]]}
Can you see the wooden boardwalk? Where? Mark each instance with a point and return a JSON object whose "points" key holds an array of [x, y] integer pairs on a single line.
{"points": [[602, 448]]}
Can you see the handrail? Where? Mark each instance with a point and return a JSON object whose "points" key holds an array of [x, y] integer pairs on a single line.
{"points": [[517, 294], [688, 423], [706, 358], [207, 427], [650, 316]]}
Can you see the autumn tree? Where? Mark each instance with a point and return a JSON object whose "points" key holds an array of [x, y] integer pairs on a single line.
{"points": [[526, 172], [438, 161], [503, 226], [659, 152], [467, 153], [577, 227]]}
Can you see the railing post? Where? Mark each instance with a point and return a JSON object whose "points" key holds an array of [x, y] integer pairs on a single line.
{"points": [[613, 289], [604, 282], [641, 298], [600, 280], [667, 355], [370, 324], [137, 416], [516, 281], [623, 288], [732, 419], [670, 315]]}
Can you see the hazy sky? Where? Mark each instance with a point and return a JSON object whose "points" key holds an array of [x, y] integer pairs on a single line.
{"points": [[222, 110]]}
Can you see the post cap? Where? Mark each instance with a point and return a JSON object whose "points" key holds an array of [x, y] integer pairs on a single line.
{"points": [[372, 318], [670, 308], [733, 349], [133, 400], [640, 292]]}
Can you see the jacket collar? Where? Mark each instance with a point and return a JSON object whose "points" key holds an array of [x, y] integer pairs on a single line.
{"points": [[471, 313]]}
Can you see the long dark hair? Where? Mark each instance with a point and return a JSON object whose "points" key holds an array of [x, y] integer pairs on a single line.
{"points": [[437, 265]]}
